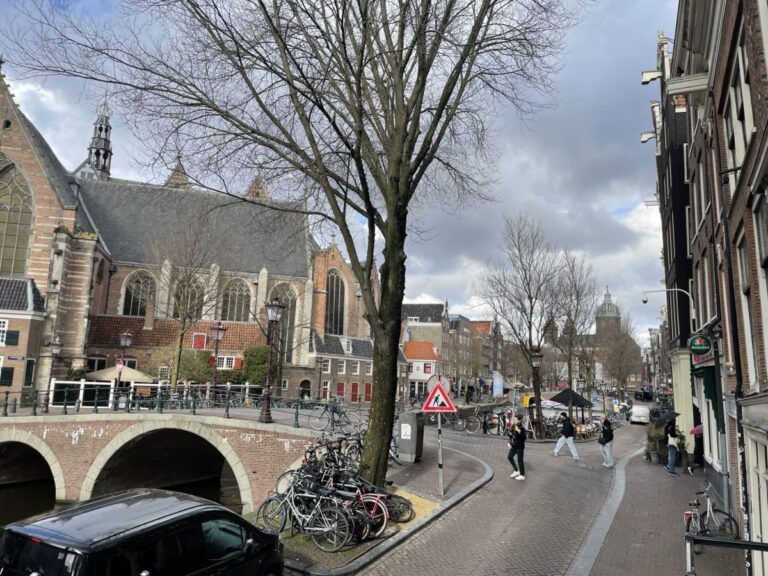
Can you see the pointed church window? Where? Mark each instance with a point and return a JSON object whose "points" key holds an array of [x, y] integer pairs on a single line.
{"points": [[139, 293], [236, 302], [334, 307], [286, 327], [15, 219]]}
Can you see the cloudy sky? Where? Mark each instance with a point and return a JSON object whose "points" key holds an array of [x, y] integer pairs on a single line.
{"points": [[578, 169]]}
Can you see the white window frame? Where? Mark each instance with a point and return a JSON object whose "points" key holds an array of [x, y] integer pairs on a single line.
{"points": [[368, 368], [341, 366], [326, 366], [225, 362], [284, 384], [747, 296], [3, 330], [355, 368]]}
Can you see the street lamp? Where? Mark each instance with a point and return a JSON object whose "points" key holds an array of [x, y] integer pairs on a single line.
{"points": [[126, 338], [274, 313], [690, 298], [536, 358], [218, 336]]}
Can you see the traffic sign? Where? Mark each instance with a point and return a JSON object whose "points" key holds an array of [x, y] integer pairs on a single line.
{"points": [[438, 401]]}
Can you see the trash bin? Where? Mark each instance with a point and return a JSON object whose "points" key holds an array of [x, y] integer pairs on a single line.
{"points": [[411, 436]]}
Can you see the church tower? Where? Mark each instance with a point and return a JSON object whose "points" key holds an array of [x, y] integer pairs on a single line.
{"points": [[608, 317], [100, 149]]}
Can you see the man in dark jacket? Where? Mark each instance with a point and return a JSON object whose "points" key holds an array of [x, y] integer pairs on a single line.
{"points": [[566, 437], [517, 448]]}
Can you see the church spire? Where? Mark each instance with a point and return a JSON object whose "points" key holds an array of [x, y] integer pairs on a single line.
{"points": [[100, 149]]}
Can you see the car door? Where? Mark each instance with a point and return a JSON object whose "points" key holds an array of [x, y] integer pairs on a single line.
{"points": [[225, 546]]}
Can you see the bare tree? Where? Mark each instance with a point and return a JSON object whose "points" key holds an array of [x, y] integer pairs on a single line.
{"points": [[188, 287], [522, 290], [620, 353], [360, 109], [577, 301]]}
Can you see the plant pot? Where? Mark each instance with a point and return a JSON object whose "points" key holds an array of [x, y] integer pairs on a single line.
{"points": [[654, 457]]}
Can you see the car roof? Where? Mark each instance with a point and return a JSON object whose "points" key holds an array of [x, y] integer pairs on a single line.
{"points": [[85, 524]]}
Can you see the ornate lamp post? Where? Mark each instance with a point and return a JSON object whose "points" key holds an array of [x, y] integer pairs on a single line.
{"points": [[218, 336], [126, 338], [274, 313], [536, 358]]}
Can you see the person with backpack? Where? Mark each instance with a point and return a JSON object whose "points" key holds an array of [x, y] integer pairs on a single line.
{"points": [[606, 441], [517, 435], [566, 437]]}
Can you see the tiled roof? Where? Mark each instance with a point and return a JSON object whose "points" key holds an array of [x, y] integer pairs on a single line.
{"points": [[419, 351], [133, 219], [332, 346], [21, 295], [424, 312], [480, 327]]}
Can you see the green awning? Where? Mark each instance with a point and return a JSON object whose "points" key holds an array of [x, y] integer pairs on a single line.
{"points": [[707, 375]]}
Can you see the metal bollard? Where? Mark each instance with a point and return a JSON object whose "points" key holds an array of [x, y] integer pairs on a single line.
{"points": [[194, 401], [66, 393], [13, 405], [77, 406], [226, 403], [160, 400], [296, 414], [5, 403], [34, 403], [96, 401], [130, 400]]}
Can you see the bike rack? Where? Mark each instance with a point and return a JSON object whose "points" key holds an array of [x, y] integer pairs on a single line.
{"points": [[691, 539]]}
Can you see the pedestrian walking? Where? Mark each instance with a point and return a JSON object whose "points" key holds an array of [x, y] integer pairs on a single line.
{"points": [[517, 436], [670, 431], [606, 441], [566, 437]]}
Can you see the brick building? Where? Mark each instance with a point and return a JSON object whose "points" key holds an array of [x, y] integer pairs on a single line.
{"points": [[100, 256]]}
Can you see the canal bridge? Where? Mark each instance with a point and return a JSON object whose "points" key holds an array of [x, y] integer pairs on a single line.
{"points": [[232, 460]]}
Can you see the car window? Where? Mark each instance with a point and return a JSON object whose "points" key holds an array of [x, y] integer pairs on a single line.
{"points": [[22, 555], [223, 539]]}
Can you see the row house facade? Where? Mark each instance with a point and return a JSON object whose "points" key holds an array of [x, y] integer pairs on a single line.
{"points": [[716, 79], [85, 257]]}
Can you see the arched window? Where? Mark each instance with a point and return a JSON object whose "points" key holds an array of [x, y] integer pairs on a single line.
{"points": [[334, 306], [188, 300], [285, 330], [236, 302], [139, 293], [15, 219]]}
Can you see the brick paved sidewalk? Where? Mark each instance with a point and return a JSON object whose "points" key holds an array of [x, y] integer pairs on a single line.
{"points": [[646, 536]]}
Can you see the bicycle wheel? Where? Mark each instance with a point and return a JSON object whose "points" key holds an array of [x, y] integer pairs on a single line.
{"points": [[394, 457], [362, 524], [348, 421], [473, 424], [377, 510], [284, 481], [271, 515], [721, 524], [459, 424], [330, 528], [353, 453], [319, 422]]}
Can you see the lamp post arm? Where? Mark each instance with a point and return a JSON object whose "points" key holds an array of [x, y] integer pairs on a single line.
{"points": [[694, 316]]}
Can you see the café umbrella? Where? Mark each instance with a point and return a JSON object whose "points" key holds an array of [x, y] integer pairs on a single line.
{"points": [[666, 417]]}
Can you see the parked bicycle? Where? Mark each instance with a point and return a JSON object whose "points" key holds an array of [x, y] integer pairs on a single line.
{"points": [[336, 416], [711, 522], [452, 419]]}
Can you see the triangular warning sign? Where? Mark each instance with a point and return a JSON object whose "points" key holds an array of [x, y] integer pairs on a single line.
{"points": [[438, 401]]}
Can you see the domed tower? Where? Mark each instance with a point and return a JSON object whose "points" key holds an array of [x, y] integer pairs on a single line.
{"points": [[608, 317]]}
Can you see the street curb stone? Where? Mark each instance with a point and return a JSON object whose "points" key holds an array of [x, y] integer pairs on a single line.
{"points": [[379, 551]]}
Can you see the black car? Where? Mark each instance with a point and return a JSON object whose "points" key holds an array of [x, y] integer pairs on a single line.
{"points": [[143, 531]]}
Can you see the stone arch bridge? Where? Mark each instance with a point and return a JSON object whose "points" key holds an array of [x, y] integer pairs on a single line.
{"points": [[86, 455]]}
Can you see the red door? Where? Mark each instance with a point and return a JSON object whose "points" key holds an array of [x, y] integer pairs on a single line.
{"points": [[340, 390], [355, 392], [367, 397]]}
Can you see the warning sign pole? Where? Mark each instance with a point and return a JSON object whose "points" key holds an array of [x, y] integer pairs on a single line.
{"points": [[440, 454]]}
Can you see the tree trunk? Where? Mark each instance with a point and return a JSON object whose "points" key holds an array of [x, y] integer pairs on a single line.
{"points": [[177, 359], [386, 346]]}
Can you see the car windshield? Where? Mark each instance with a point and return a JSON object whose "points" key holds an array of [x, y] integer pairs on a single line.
{"points": [[22, 556]]}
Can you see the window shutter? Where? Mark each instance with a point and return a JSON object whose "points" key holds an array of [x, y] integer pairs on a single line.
{"points": [[238, 363], [12, 338], [6, 377]]}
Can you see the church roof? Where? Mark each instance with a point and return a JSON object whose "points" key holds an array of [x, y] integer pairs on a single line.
{"points": [[607, 308], [133, 218]]}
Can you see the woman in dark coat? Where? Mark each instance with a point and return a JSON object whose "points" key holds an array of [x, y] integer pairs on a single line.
{"points": [[606, 446], [517, 436]]}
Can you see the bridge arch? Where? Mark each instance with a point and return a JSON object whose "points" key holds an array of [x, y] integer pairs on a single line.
{"points": [[187, 425], [34, 442]]}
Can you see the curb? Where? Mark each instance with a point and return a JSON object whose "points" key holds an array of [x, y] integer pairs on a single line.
{"points": [[379, 551]]}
